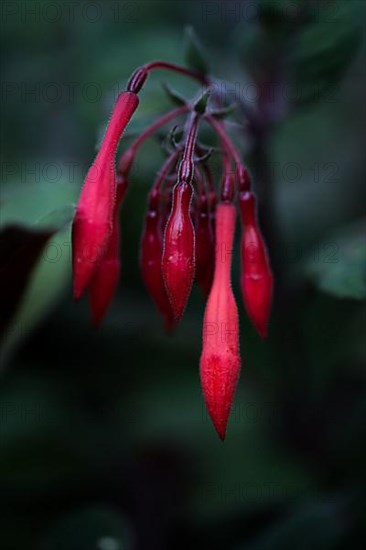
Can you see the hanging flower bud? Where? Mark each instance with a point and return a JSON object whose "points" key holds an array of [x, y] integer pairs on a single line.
{"points": [[93, 222], [150, 259], [178, 254], [105, 277], [220, 359], [256, 277], [204, 246]]}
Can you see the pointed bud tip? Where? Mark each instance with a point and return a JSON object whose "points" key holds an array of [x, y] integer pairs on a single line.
{"points": [[221, 432], [178, 311], [220, 420]]}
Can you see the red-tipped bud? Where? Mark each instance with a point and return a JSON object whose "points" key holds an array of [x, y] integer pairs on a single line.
{"points": [[205, 246], [178, 254], [105, 277], [220, 360], [93, 222], [150, 259], [256, 276]]}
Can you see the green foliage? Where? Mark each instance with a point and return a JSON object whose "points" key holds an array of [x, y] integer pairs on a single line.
{"points": [[322, 52], [175, 97], [310, 46], [201, 104], [195, 56], [36, 235], [317, 525], [338, 265], [89, 529]]}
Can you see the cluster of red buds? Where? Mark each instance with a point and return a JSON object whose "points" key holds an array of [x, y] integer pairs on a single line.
{"points": [[188, 234]]}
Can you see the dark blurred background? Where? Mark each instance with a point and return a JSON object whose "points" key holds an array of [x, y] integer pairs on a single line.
{"points": [[104, 440]]}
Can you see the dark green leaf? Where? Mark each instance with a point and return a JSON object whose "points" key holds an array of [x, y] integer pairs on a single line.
{"points": [[318, 525], [174, 96], [89, 529], [322, 52], [33, 269], [195, 57], [200, 105], [57, 219], [338, 265]]}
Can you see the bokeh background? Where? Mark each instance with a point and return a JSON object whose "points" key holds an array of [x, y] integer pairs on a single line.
{"points": [[104, 440]]}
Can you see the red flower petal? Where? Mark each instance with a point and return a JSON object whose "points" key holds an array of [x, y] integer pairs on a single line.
{"points": [[178, 262], [93, 220], [105, 277], [220, 360], [256, 277]]}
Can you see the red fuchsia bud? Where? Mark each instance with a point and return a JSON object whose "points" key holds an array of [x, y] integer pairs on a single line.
{"points": [[93, 222], [150, 259], [256, 277], [204, 246], [220, 360], [178, 254], [105, 277]]}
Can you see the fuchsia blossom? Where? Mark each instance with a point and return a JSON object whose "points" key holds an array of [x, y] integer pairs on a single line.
{"points": [[220, 359], [256, 278], [93, 222], [178, 261], [105, 276], [191, 241]]}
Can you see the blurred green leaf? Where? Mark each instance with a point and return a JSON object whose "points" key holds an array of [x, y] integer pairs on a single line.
{"points": [[175, 97], [322, 52], [57, 219], [34, 269], [257, 47], [195, 56], [338, 265], [38, 205], [314, 45], [200, 104], [316, 525], [94, 528]]}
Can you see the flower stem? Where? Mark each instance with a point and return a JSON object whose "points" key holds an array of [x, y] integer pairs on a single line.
{"points": [[227, 144], [186, 166], [165, 170], [128, 156], [177, 69], [140, 75]]}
